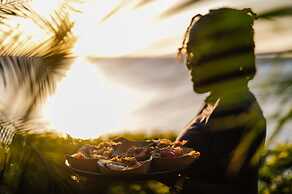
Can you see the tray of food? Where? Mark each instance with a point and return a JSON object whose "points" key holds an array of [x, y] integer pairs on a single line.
{"points": [[123, 158]]}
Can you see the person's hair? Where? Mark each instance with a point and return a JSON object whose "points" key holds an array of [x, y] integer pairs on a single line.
{"points": [[220, 26]]}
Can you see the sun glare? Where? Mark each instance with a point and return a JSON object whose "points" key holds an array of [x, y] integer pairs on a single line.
{"points": [[128, 32], [46, 8], [86, 104]]}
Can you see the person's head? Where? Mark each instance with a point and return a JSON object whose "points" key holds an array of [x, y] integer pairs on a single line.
{"points": [[220, 49]]}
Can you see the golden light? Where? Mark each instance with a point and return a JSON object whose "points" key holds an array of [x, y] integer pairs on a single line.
{"points": [[130, 31], [45, 9], [86, 104]]}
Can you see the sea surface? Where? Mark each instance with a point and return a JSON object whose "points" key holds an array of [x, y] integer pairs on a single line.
{"points": [[170, 102]]}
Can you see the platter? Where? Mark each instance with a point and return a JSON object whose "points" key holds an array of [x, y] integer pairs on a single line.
{"points": [[151, 175], [124, 159]]}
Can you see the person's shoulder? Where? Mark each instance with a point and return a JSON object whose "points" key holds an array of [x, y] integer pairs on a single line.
{"points": [[198, 121], [255, 113], [254, 106]]}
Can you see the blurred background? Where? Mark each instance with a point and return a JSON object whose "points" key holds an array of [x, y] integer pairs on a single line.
{"points": [[120, 76], [127, 77]]}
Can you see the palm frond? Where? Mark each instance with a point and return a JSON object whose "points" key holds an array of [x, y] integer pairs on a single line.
{"points": [[34, 66], [179, 7], [57, 27], [142, 3], [10, 2], [276, 12], [275, 54], [114, 10], [280, 124]]}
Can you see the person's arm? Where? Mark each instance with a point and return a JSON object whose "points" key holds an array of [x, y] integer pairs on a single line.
{"points": [[196, 138]]}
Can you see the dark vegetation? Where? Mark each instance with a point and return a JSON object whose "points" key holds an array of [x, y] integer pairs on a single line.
{"points": [[35, 163]]}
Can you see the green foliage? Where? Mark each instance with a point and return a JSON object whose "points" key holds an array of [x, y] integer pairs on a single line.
{"points": [[35, 164], [276, 173]]}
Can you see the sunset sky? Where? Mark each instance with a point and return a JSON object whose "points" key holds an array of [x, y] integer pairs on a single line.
{"points": [[142, 31]]}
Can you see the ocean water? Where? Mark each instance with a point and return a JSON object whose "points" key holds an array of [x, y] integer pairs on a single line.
{"points": [[170, 103]]}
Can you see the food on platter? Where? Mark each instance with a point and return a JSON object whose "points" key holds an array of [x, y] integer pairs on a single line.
{"points": [[139, 153], [104, 150], [168, 155], [82, 162], [127, 160], [79, 156], [167, 142], [173, 158], [123, 156], [87, 156], [124, 165], [169, 152]]}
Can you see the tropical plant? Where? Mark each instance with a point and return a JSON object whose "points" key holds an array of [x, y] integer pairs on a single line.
{"points": [[276, 173], [31, 67]]}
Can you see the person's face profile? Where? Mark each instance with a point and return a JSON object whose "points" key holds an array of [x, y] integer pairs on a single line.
{"points": [[194, 72], [206, 47], [197, 71]]}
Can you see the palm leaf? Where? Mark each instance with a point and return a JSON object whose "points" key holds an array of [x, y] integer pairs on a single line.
{"points": [[32, 66], [280, 124], [10, 2], [276, 12], [115, 10], [179, 7], [142, 3]]}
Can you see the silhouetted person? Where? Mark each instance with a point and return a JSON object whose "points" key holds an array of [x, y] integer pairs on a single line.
{"points": [[230, 128]]}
